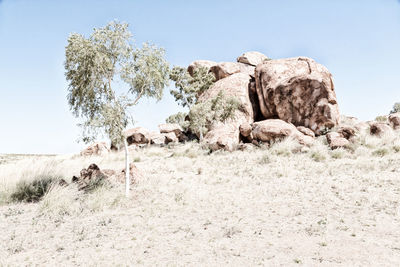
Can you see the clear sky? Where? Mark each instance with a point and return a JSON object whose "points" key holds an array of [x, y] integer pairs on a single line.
{"points": [[357, 40]]}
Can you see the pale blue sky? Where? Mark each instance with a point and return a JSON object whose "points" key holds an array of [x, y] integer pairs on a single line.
{"points": [[358, 41]]}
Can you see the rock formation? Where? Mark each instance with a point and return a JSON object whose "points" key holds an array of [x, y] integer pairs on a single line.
{"points": [[92, 176], [299, 91], [99, 148], [252, 58], [394, 120], [226, 135], [274, 130]]}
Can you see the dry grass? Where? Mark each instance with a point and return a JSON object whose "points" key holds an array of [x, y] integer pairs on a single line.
{"points": [[285, 205]]}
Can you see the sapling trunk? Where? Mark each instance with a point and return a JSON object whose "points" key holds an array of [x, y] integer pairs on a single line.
{"points": [[127, 178]]}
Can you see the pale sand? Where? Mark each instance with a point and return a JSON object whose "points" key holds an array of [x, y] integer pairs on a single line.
{"points": [[256, 207]]}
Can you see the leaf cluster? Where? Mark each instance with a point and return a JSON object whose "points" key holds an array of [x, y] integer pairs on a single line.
{"points": [[189, 88], [218, 109], [95, 64]]}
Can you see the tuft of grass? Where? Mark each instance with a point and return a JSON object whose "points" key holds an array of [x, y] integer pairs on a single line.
{"points": [[381, 152], [338, 153], [95, 184], [34, 190], [60, 201], [381, 118], [317, 156], [265, 159]]}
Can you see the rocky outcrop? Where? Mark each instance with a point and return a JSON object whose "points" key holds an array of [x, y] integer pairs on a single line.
{"points": [[171, 128], [379, 129], [200, 64], [252, 58], [299, 91], [236, 85], [336, 140], [170, 138], [92, 176], [138, 135], [394, 120], [305, 131], [99, 148], [347, 132], [275, 130], [157, 138], [225, 69]]}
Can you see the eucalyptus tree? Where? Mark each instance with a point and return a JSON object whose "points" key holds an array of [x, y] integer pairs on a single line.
{"points": [[188, 88], [107, 75]]}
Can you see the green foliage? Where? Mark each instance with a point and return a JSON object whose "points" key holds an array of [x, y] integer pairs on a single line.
{"points": [[218, 109], [396, 108], [33, 191], [381, 118], [179, 118], [380, 152], [93, 65], [190, 88]]}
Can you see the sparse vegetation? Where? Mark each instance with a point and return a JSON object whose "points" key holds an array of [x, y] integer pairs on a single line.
{"points": [[191, 196], [396, 108], [33, 190]]}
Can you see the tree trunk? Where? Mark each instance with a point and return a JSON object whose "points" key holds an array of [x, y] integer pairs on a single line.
{"points": [[201, 135], [127, 170]]}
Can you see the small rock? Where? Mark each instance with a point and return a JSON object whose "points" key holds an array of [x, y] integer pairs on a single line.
{"points": [[380, 128], [394, 120], [306, 131], [252, 58], [99, 148]]}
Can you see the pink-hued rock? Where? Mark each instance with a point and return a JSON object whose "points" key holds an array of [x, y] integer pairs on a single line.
{"points": [[252, 58], [200, 64], [93, 172], [157, 138], [236, 85], [339, 142], [275, 130], [99, 148], [394, 120], [305, 131], [336, 140], [171, 128], [138, 135], [380, 128], [170, 138], [225, 69], [347, 132], [299, 91]]}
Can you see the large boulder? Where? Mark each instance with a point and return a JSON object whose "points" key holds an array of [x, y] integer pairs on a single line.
{"points": [[171, 128], [223, 136], [347, 132], [157, 138], [200, 64], [252, 58], [275, 130], [226, 135], [394, 120], [99, 148], [336, 140], [299, 91], [170, 138], [305, 131], [138, 135], [379, 129], [225, 69]]}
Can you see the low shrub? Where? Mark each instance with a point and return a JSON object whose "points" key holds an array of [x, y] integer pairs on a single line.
{"points": [[381, 118], [380, 152], [33, 190]]}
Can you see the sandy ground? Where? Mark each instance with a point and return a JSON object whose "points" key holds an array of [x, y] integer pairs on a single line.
{"points": [[256, 207]]}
